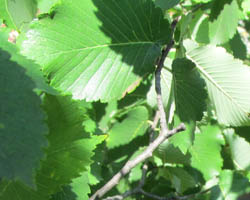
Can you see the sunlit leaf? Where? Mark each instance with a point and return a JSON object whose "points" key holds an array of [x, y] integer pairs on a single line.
{"points": [[227, 81], [103, 55], [205, 151], [134, 124]]}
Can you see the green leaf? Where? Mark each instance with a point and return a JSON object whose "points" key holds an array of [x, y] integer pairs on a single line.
{"points": [[246, 6], [106, 53], [166, 80], [136, 172], [22, 127], [199, 27], [44, 6], [77, 190], [205, 151], [166, 4], [227, 81], [32, 69], [134, 124], [231, 186], [17, 13], [225, 25], [171, 154], [68, 155], [240, 150], [184, 139], [179, 177], [190, 96], [220, 26], [95, 174], [238, 47], [201, 1]]}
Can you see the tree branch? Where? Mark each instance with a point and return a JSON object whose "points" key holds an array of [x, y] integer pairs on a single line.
{"points": [[158, 70], [164, 134], [132, 163]]}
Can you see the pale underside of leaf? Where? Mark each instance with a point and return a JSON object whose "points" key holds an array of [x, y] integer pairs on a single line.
{"points": [[227, 81]]}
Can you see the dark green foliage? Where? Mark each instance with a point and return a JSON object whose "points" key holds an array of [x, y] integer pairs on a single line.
{"points": [[78, 100]]}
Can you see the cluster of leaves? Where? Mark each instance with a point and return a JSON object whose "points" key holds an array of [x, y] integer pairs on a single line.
{"points": [[77, 97]]}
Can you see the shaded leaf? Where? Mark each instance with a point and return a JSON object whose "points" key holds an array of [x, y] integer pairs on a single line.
{"points": [[166, 4], [238, 47], [32, 69], [171, 154], [231, 186], [77, 190], [179, 177], [99, 63], [227, 81], [22, 126], [190, 100], [68, 155]]}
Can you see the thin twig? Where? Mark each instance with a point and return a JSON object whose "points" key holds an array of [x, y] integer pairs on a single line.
{"points": [[144, 167], [158, 70], [192, 196], [132, 163], [153, 196], [164, 134]]}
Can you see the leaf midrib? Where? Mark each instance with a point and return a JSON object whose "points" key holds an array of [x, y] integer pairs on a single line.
{"points": [[215, 83], [106, 45]]}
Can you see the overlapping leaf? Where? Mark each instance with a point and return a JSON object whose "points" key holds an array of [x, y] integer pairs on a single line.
{"points": [[17, 13], [220, 26], [231, 186], [134, 124], [166, 4], [166, 80], [225, 25], [77, 190], [227, 80], [170, 154], [44, 6], [190, 100], [96, 49], [179, 177], [205, 151], [22, 127], [68, 155], [240, 151]]}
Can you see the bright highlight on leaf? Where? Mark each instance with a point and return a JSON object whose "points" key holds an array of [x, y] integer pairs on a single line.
{"points": [[96, 49], [227, 81], [240, 151]]}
